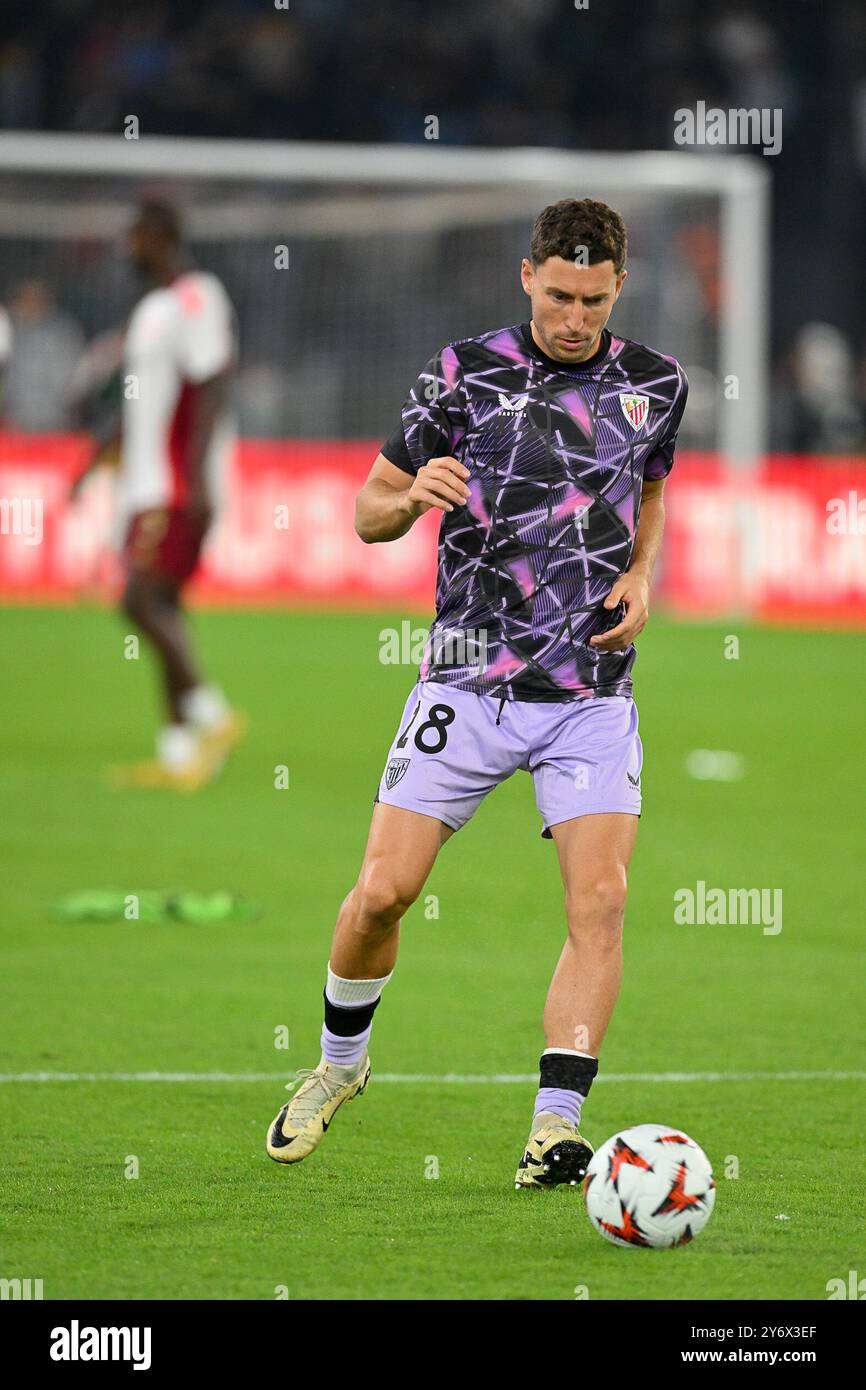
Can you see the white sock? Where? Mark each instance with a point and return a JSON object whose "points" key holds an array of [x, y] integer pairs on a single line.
{"points": [[204, 706], [360, 998], [176, 746], [349, 993]]}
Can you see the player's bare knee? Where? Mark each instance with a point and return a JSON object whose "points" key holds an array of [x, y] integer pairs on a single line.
{"points": [[597, 903], [145, 604], [383, 895]]}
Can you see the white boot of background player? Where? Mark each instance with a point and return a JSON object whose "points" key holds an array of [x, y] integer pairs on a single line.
{"points": [[178, 749], [208, 713]]}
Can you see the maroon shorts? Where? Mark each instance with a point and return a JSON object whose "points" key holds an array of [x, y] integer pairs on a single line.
{"points": [[164, 542]]}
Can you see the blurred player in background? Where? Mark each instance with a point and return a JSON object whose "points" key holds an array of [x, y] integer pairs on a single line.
{"points": [[545, 445], [176, 432]]}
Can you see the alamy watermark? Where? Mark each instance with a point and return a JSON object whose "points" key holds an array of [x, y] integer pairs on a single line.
{"points": [[409, 646], [736, 126], [20, 1289], [22, 516], [855, 1287], [745, 907], [846, 516], [77, 1343]]}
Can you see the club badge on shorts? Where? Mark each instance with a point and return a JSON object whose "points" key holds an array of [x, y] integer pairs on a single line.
{"points": [[394, 771], [634, 408]]}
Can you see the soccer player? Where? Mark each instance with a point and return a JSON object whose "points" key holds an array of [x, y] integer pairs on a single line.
{"points": [[545, 446], [176, 434]]}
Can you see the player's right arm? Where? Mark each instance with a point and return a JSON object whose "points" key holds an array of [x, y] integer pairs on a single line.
{"points": [[391, 499], [104, 450], [417, 468]]}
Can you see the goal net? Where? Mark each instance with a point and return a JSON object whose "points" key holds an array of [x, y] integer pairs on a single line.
{"points": [[351, 265]]}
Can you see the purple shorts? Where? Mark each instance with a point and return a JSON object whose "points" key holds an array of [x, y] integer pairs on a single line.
{"points": [[453, 747]]}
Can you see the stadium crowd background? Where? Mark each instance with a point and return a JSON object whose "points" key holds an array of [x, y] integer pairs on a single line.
{"points": [[514, 72]]}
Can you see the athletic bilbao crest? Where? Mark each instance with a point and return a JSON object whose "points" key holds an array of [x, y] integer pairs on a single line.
{"points": [[634, 408], [394, 771]]}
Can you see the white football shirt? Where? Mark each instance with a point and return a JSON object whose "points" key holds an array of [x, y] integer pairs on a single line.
{"points": [[178, 337]]}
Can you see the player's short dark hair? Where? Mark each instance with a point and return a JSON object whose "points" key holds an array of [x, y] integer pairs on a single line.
{"points": [[160, 217], [574, 224]]}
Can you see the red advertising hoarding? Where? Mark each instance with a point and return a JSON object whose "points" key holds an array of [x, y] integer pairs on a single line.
{"points": [[787, 542]]}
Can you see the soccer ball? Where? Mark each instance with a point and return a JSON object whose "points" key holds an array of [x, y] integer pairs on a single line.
{"points": [[649, 1185]]}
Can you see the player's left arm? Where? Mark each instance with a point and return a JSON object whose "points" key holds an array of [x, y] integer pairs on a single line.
{"points": [[632, 589], [206, 354], [208, 405]]}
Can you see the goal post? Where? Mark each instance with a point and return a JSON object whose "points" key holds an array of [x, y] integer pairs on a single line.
{"points": [[390, 251]]}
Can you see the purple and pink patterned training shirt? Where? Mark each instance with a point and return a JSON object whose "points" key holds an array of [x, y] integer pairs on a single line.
{"points": [[557, 455]]}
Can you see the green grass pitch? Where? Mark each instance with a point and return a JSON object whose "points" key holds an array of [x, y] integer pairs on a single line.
{"points": [[209, 1216]]}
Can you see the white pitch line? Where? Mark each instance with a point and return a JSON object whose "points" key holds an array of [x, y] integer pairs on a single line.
{"points": [[424, 1078]]}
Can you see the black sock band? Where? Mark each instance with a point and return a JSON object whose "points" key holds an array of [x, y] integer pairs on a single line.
{"points": [[348, 1023], [563, 1071]]}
